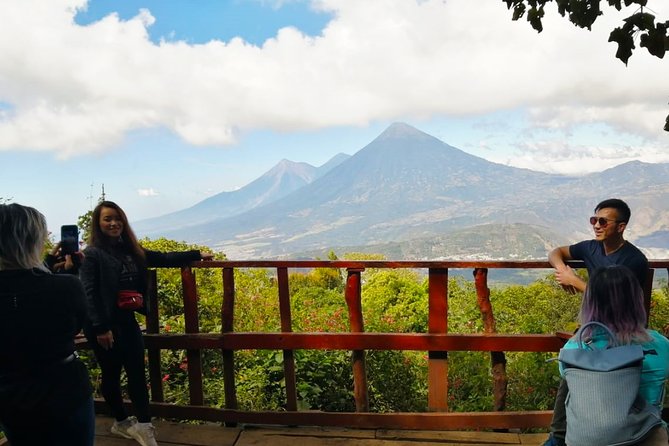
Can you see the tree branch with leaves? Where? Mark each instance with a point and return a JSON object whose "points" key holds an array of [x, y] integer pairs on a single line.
{"points": [[652, 34]]}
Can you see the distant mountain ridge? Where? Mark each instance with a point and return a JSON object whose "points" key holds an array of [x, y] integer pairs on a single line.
{"points": [[407, 185], [284, 178], [502, 242]]}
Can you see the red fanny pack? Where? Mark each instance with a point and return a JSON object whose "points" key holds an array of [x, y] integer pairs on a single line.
{"points": [[129, 300]]}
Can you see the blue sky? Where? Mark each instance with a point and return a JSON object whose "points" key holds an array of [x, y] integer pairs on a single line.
{"points": [[167, 102], [201, 21]]}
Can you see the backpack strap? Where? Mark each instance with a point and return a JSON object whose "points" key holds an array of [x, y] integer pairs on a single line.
{"points": [[613, 341]]}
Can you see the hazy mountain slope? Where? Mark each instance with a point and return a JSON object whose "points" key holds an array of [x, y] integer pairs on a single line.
{"points": [[644, 186], [499, 241], [284, 178], [331, 164]]}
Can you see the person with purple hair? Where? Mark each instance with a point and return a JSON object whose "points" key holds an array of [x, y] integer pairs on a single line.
{"points": [[614, 298]]}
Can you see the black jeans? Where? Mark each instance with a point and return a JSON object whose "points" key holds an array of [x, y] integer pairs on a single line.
{"points": [[559, 421], [127, 353]]}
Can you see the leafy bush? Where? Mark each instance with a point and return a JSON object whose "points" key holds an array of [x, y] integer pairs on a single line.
{"points": [[394, 301]]}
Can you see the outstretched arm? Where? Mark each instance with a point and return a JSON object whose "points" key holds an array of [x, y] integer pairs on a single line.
{"points": [[563, 273], [175, 259]]}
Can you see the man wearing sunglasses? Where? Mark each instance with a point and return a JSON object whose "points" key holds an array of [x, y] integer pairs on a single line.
{"points": [[607, 248]]}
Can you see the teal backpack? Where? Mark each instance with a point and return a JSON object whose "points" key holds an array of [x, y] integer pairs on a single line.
{"points": [[603, 405]]}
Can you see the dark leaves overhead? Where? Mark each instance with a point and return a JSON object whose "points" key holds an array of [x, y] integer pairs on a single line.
{"points": [[583, 13], [640, 25], [534, 16], [656, 40], [624, 38]]}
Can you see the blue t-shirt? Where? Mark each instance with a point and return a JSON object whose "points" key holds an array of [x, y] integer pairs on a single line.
{"points": [[655, 365], [591, 252]]}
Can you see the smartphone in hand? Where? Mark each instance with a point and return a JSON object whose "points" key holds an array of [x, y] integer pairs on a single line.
{"points": [[69, 239]]}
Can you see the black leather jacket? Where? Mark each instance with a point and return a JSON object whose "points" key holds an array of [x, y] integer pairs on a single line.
{"points": [[100, 273]]}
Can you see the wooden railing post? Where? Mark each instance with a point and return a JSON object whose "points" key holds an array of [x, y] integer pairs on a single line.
{"points": [[648, 290], [192, 323], [153, 326], [437, 366], [227, 326], [354, 303], [286, 327], [497, 359]]}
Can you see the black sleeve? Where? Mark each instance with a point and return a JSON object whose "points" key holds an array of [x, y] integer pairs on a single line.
{"points": [[75, 292], [578, 251], [90, 275], [79, 302], [171, 259], [50, 260], [640, 269]]}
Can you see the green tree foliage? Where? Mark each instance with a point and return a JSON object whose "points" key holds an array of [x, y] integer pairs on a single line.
{"points": [[84, 221], [317, 299], [48, 245], [394, 301], [363, 256], [256, 301], [659, 310], [652, 34], [84, 225], [541, 307], [170, 293], [317, 309]]}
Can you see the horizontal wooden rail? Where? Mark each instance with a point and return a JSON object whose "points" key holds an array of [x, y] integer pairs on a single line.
{"points": [[400, 264], [358, 341], [397, 420]]}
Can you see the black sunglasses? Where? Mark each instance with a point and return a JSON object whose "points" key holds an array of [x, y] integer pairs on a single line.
{"points": [[603, 222]]}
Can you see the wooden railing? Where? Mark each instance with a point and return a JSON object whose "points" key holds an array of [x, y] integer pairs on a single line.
{"points": [[437, 342]]}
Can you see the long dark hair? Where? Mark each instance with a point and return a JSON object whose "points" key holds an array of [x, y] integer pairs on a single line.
{"points": [[615, 298], [128, 240]]}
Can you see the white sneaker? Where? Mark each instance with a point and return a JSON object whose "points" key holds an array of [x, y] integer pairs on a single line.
{"points": [[144, 433], [120, 428]]}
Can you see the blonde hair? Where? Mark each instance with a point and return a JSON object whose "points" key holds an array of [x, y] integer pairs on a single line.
{"points": [[23, 233]]}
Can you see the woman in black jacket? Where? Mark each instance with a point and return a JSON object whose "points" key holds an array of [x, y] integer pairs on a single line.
{"points": [[45, 393], [114, 275]]}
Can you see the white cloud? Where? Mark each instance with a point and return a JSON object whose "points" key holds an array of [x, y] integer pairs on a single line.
{"points": [[80, 89], [558, 156], [149, 192]]}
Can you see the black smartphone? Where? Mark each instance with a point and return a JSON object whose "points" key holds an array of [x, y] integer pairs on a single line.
{"points": [[69, 239]]}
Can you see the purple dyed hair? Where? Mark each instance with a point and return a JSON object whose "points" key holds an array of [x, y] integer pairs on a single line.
{"points": [[614, 298]]}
